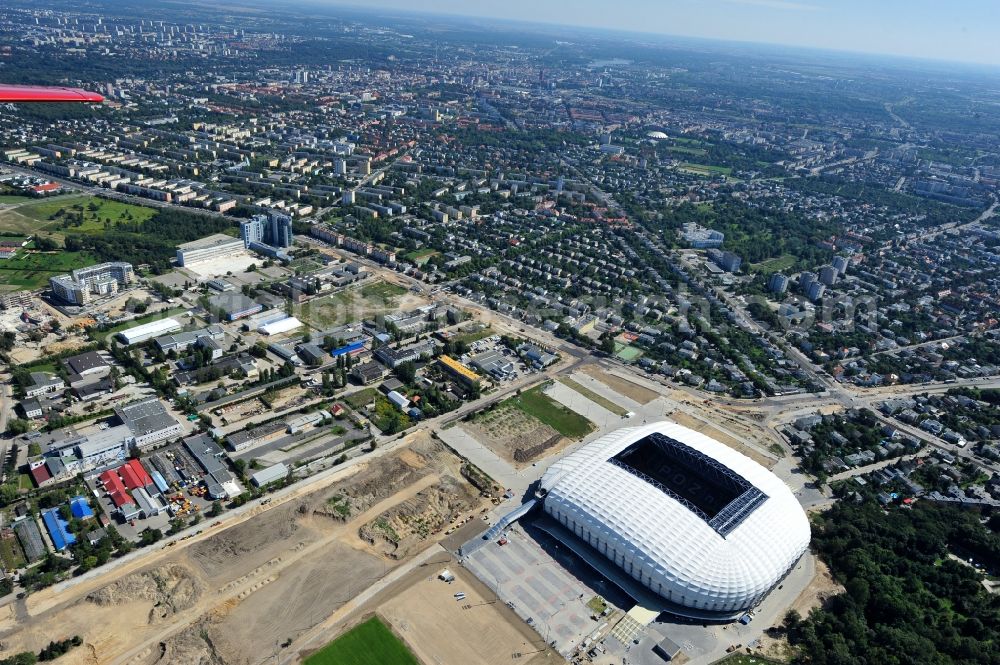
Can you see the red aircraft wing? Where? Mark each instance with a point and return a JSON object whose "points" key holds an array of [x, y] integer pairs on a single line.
{"points": [[37, 93]]}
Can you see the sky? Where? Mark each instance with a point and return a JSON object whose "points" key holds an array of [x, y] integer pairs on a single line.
{"points": [[957, 30]]}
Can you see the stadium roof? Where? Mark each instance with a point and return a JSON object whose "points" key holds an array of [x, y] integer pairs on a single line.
{"points": [[692, 519]]}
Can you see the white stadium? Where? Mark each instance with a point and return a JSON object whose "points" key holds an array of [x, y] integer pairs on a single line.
{"points": [[702, 526]]}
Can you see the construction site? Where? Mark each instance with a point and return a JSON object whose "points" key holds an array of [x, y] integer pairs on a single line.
{"points": [[302, 560]]}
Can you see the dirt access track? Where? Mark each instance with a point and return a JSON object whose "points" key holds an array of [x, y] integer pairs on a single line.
{"points": [[236, 595]]}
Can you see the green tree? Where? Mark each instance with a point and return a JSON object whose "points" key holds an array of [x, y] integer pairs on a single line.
{"points": [[18, 426]]}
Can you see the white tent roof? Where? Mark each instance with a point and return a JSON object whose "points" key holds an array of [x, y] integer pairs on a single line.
{"points": [[280, 326], [663, 543]]}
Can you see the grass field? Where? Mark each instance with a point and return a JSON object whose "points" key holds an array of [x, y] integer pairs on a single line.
{"points": [[593, 397], [361, 399], [627, 353], [563, 420], [31, 271], [697, 152], [420, 255], [777, 264], [348, 305], [473, 336], [331, 310], [11, 554], [381, 291], [368, 643], [705, 169], [46, 215], [104, 334]]}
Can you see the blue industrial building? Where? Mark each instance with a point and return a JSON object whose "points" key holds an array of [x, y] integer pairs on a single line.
{"points": [[57, 528], [351, 348], [80, 508]]}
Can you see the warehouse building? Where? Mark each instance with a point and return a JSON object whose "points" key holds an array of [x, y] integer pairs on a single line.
{"points": [[149, 504], [182, 341], [219, 481], [245, 439], [58, 529], [30, 538], [233, 306], [269, 475], [458, 370], [148, 331], [280, 327], [148, 421]]}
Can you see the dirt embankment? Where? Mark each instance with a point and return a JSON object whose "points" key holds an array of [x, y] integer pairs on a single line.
{"points": [[380, 480], [171, 589], [398, 530], [514, 435], [248, 545]]}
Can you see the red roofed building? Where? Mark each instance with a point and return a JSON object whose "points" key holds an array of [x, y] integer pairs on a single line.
{"points": [[134, 475], [120, 498], [47, 188], [40, 474], [115, 489]]}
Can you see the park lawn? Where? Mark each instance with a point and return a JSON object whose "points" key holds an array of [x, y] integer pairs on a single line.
{"points": [[421, 255], [777, 264], [698, 152], [32, 271], [98, 335], [41, 215], [593, 397], [560, 418], [368, 643], [14, 198]]}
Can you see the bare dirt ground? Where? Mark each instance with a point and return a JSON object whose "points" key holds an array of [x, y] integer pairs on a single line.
{"points": [[236, 596], [629, 389], [380, 479], [440, 630], [397, 531], [697, 425], [514, 435], [820, 590]]}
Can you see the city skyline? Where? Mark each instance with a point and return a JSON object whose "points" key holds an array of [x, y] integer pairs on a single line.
{"points": [[916, 29]]}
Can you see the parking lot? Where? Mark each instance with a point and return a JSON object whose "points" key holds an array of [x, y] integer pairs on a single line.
{"points": [[547, 587]]}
